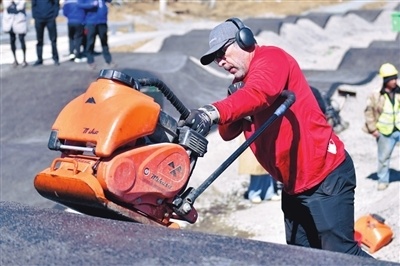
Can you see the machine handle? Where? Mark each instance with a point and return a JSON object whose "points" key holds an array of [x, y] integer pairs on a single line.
{"points": [[185, 204], [64, 160], [131, 82]]}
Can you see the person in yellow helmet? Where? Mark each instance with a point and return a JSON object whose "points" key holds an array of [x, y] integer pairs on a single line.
{"points": [[382, 120]]}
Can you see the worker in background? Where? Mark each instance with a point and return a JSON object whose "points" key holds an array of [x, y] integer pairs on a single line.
{"points": [[382, 120], [262, 186]]}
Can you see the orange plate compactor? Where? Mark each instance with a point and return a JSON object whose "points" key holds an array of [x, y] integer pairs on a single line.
{"points": [[372, 231]]}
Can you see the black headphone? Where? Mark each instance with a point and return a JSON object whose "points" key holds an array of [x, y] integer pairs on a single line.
{"points": [[244, 37]]}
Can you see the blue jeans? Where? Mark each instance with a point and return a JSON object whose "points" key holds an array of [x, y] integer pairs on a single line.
{"points": [[323, 217], [262, 186], [386, 145]]}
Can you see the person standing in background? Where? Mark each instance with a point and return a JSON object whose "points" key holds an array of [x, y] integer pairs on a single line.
{"points": [[14, 22], [96, 24], [76, 18], [262, 186], [382, 120], [45, 13]]}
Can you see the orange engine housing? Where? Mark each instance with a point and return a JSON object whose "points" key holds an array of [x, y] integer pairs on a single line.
{"points": [[145, 175], [373, 232], [108, 115], [118, 154]]}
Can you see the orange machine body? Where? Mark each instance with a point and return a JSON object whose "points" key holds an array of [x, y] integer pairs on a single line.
{"points": [[124, 174], [373, 232], [108, 115], [159, 171]]}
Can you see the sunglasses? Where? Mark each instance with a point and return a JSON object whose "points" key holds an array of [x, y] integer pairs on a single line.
{"points": [[221, 52]]}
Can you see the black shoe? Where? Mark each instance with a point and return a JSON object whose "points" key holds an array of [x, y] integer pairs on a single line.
{"points": [[246, 195], [38, 63], [56, 63]]}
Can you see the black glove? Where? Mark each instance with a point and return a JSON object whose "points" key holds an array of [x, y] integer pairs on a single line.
{"points": [[199, 121]]}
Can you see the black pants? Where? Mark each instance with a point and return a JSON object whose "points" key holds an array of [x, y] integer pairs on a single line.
{"points": [[92, 32], [21, 38], [75, 36], [323, 217], [51, 26]]}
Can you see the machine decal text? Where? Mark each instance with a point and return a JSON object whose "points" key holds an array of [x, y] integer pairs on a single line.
{"points": [[87, 130], [160, 181]]}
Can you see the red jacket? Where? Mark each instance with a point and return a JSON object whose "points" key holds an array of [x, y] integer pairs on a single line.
{"points": [[294, 149]]}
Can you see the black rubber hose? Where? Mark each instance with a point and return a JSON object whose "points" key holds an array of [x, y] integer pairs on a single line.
{"points": [[180, 107]]}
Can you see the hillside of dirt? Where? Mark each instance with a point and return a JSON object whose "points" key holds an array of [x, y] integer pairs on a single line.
{"points": [[201, 10]]}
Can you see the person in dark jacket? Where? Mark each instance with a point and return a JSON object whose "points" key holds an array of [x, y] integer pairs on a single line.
{"points": [[96, 24], [76, 18], [45, 13]]}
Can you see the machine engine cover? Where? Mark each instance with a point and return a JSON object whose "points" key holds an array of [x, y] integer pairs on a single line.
{"points": [[145, 174]]}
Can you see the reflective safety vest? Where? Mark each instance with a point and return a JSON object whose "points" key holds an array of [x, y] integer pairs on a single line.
{"points": [[390, 117]]}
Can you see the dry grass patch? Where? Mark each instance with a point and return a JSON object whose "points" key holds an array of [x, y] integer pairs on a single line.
{"points": [[180, 10]]}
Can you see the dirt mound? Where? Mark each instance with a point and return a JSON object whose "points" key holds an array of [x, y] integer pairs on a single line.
{"points": [[202, 10]]}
